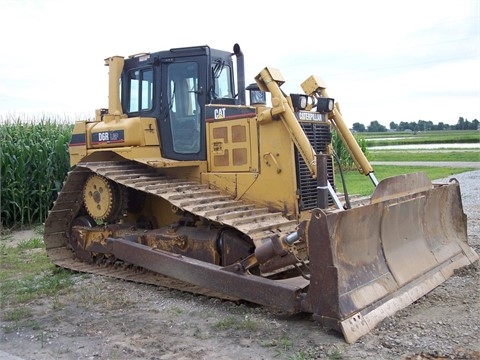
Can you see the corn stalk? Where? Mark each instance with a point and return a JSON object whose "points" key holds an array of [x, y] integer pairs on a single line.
{"points": [[346, 161], [34, 162]]}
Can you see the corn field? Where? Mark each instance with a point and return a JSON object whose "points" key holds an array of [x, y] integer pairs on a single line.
{"points": [[34, 162], [346, 160]]}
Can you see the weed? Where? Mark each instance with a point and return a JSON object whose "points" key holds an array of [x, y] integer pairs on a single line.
{"points": [[298, 356], [34, 243], [116, 302], [235, 324], [41, 338], [175, 310], [225, 324], [17, 314], [57, 304], [39, 229], [268, 343], [8, 329], [249, 324], [237, 310], [335, 354], [35, 325], [285, 343]]}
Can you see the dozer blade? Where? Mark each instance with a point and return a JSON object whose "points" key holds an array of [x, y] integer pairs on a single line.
{"points": [[369, 262]]}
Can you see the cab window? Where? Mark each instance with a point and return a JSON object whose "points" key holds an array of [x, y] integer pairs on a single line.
{"points": [[185, 112], [222, 81], [141, 90]]}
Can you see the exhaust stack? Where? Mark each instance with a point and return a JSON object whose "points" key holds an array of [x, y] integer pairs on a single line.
{"points": [[240, 74], [115, 64]]}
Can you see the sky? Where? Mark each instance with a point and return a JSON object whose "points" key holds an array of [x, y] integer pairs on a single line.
{"points": [[381, 60]]}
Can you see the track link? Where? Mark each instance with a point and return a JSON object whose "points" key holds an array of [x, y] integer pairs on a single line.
{"points": [[196, 198]]}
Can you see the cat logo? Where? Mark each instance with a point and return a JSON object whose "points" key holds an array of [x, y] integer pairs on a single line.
{"points": [[310, 116], [219, 114]]}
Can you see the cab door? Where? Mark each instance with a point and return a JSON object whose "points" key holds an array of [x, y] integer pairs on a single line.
{"points": [[182, 111]]}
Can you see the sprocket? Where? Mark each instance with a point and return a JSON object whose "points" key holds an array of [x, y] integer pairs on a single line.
{"points": [[104, 200]]}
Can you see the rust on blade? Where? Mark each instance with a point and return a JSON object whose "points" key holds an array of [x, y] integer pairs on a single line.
{"points": [[377, 259]]}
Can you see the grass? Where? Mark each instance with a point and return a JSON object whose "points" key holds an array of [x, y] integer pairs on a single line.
{"points": [[335, 354], [92, 296], [22, 260], [17, 314], [30, 287], [27, 275], [395, 155], [361, 185], [422, 137], [233, 323]]}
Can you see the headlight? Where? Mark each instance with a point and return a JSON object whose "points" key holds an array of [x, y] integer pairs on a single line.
{"points": [[257, 96], [325, 105], [299, 101]]}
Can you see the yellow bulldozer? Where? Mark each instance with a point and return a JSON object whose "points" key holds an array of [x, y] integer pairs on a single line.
{"points": [[181, 183]]}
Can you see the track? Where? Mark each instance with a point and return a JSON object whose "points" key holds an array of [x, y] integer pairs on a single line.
{"points": [[257, 223]]}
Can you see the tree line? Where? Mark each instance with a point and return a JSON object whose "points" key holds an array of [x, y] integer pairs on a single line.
{"points": [[420, 125]]}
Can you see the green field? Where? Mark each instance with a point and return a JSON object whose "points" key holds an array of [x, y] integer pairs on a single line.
{"points": [[360, 184], [423, 137], [424, 155]]}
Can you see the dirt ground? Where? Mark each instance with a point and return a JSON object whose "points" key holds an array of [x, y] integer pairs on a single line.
{"points": [[103, 318]]}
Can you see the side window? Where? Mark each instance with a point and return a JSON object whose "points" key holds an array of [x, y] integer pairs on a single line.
{"points": [[184, 108], [141, 90], [222, 80]]}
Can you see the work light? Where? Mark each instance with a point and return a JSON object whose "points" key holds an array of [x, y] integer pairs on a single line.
{"points": [[299, 101], [325, 105]]}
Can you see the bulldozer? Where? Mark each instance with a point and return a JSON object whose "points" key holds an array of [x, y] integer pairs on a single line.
{"points": [[180, 183]]}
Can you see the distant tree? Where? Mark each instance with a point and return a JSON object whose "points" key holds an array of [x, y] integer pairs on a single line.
{"points": [[375, 126], [471, 125], [413, 126], [358, 127], [404, 126], [421, 125], [475, 124], [424, 125], [393, 126]]}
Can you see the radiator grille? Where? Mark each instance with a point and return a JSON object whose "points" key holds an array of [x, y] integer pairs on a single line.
{"points": [[319, 135]]}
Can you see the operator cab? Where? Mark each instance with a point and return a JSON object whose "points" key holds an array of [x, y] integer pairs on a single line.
{"points": [[174, 86]]}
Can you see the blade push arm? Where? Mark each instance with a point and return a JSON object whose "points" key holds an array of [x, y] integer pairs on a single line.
{"points": [[270, 80], [315, 87]]}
